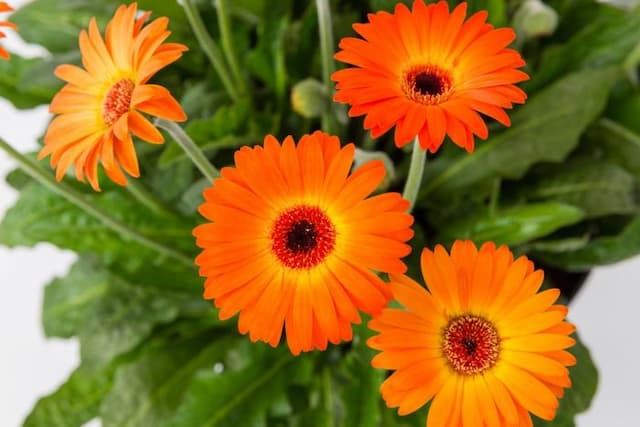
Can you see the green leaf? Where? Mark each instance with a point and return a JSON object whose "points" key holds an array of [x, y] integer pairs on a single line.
{"points": [[598, 188], [359, 393], [514, 225], [225, 129], [18, 179], [55, 24], [110, 315], [600, 251], [577, 399], [122, 320], [546, 128], [604, 41], [267, 61], [76, 402], [69, 299], [616, 142], [148, 390], [22, 82], [41, 215], [242, 397], [626, 111]]}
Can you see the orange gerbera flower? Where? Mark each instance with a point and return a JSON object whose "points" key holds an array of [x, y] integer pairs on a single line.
{"points": [[293, 239], [481, 342], [4, 7], [99, 108], [429, 72]]}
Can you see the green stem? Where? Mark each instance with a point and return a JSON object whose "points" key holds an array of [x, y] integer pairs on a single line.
{"points": [[190, 148], [326, 50], [495, 197], [210, 48], [79, 199], [327, 388], [416, 169], [145, 197], [228, 45]]}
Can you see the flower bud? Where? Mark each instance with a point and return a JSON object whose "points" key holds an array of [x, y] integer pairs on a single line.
{"points": [[535, 19], [309, 98]]}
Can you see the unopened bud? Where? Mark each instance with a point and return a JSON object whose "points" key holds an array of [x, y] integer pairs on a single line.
{"points": [[535, 19], [309, 98]]}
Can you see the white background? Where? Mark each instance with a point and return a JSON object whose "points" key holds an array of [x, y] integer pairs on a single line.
{"points": [[31, 365]]}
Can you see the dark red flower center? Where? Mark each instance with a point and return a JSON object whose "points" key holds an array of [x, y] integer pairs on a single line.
{"points": [[302, 237], [427, 84], [471, 344], [117, 101]]}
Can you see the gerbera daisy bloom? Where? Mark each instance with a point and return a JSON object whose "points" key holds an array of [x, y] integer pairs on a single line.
{"points": [[4, 7], [482, 342], [293, 240], [100, 107], [429, 72]]}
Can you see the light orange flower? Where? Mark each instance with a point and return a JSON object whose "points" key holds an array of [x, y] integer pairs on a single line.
{"points": [[482, 343], [429, 72], [293, 239], [100, 107], [4, 7]]}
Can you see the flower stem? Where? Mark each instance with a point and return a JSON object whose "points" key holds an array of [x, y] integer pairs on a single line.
{"points": [[190, 148], [495, 196], [416, 169], [326, 50], [327, 388], [137, 190], [227, 44], [75, 197], [210, 48]]}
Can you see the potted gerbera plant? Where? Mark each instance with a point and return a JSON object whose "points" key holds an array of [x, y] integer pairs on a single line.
{"points": [[334, 213]]}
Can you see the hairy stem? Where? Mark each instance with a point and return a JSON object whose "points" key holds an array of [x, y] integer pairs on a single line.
{"points": [[190, 148], [210, 48], [77, 198], [416, 170], [228, 45], [326, 50]]}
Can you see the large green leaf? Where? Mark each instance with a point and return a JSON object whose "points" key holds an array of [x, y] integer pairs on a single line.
{"points": [[546, 128], [606, 40], [56, 24], [76, 402], [617, 142], [513, 225], [600, 251], [239, 398], [41, 215], [110, 315], [626, 110], [148, 390], [23, 83], [122, 320], [69, 299], [598, 188], [577, 399]]}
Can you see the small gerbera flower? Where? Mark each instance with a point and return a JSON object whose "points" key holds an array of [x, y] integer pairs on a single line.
{"points": [[4, 7], [293, 239], [100, 106], [429, 72], [482, 343]]}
